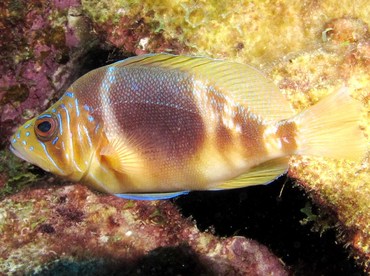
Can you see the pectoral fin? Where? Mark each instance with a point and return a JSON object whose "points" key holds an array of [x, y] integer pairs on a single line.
{"points": [[121, 156]]}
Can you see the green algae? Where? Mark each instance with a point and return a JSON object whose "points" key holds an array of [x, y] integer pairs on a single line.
{"points": [[17, 173], [157, 217], [248, 31], [17, 10], [14, 94], [73, 267], [10, 210], [103, 11], [129, 204], [321, 222]]}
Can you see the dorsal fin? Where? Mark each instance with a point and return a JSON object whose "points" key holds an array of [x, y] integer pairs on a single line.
{"points": [[243, 83]]}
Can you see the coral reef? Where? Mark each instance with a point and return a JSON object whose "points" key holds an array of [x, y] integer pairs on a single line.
{"points": [[343, 187], [309, 49], [14, 175], [37, 39], [252, 32], [43, 225]]}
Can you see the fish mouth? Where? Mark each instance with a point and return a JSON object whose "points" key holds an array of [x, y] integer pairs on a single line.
{"points": [[17, 153], [27, 158]]}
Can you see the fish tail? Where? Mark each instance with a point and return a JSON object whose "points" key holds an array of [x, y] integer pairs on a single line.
{"points": [[331, 128]]}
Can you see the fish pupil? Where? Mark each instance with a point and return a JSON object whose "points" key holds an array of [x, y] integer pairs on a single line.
{"points": [[44, 126]]}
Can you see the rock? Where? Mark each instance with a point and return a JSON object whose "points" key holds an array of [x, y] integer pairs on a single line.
{"points": [[308, 48], [43, 228]]}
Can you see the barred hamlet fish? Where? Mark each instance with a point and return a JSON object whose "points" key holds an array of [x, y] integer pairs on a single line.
{"points": [[156, 126]]}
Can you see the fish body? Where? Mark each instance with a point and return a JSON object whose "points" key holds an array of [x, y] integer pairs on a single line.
{"points": [[164, 123]]}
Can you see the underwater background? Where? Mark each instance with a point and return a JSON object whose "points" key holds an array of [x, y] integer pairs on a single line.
{"points": [[314, 222]]}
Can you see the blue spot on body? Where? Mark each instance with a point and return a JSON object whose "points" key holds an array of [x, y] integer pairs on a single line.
{"points": [[86, 107], [14, 140], [28, 133], [111, 69], [135, 86], [70, 105], [69, 94], [32, 148], [90, 118], [24, 143], [19, 135], [53, 110], [27, 126], [111, 79], [55, 140]]}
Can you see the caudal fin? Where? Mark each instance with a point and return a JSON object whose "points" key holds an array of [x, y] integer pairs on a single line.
{"points": [[331, 128]]}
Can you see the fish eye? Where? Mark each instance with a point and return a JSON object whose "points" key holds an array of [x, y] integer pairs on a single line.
{"points": [[46, 127]]}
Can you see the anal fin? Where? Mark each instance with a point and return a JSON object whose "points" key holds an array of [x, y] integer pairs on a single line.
{"points": [[260, 174]]}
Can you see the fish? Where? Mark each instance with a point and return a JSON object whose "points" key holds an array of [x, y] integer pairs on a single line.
{"points": [[157, 126]]}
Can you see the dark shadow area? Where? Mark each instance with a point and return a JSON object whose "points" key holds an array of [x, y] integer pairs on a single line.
{"points": [[98, 57], [261, 214], [163, 261], [168, 261]]}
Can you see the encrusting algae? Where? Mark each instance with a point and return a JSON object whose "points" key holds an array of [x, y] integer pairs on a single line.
{"points": [[338, 186], [329, 42], [253, 32], [42, 227]]}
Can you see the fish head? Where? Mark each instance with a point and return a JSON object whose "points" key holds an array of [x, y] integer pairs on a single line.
{"points": [[61, 140]]}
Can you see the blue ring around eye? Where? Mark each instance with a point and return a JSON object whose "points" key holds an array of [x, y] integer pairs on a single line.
{"points": [[44, 116]]}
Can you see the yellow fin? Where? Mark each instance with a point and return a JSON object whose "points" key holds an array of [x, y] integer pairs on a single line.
{"points": [[260, 174], [331, 128], [243, 83], [121, 157]]}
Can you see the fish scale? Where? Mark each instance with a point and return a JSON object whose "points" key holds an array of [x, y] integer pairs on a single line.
{"points": [[155, 126]]}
